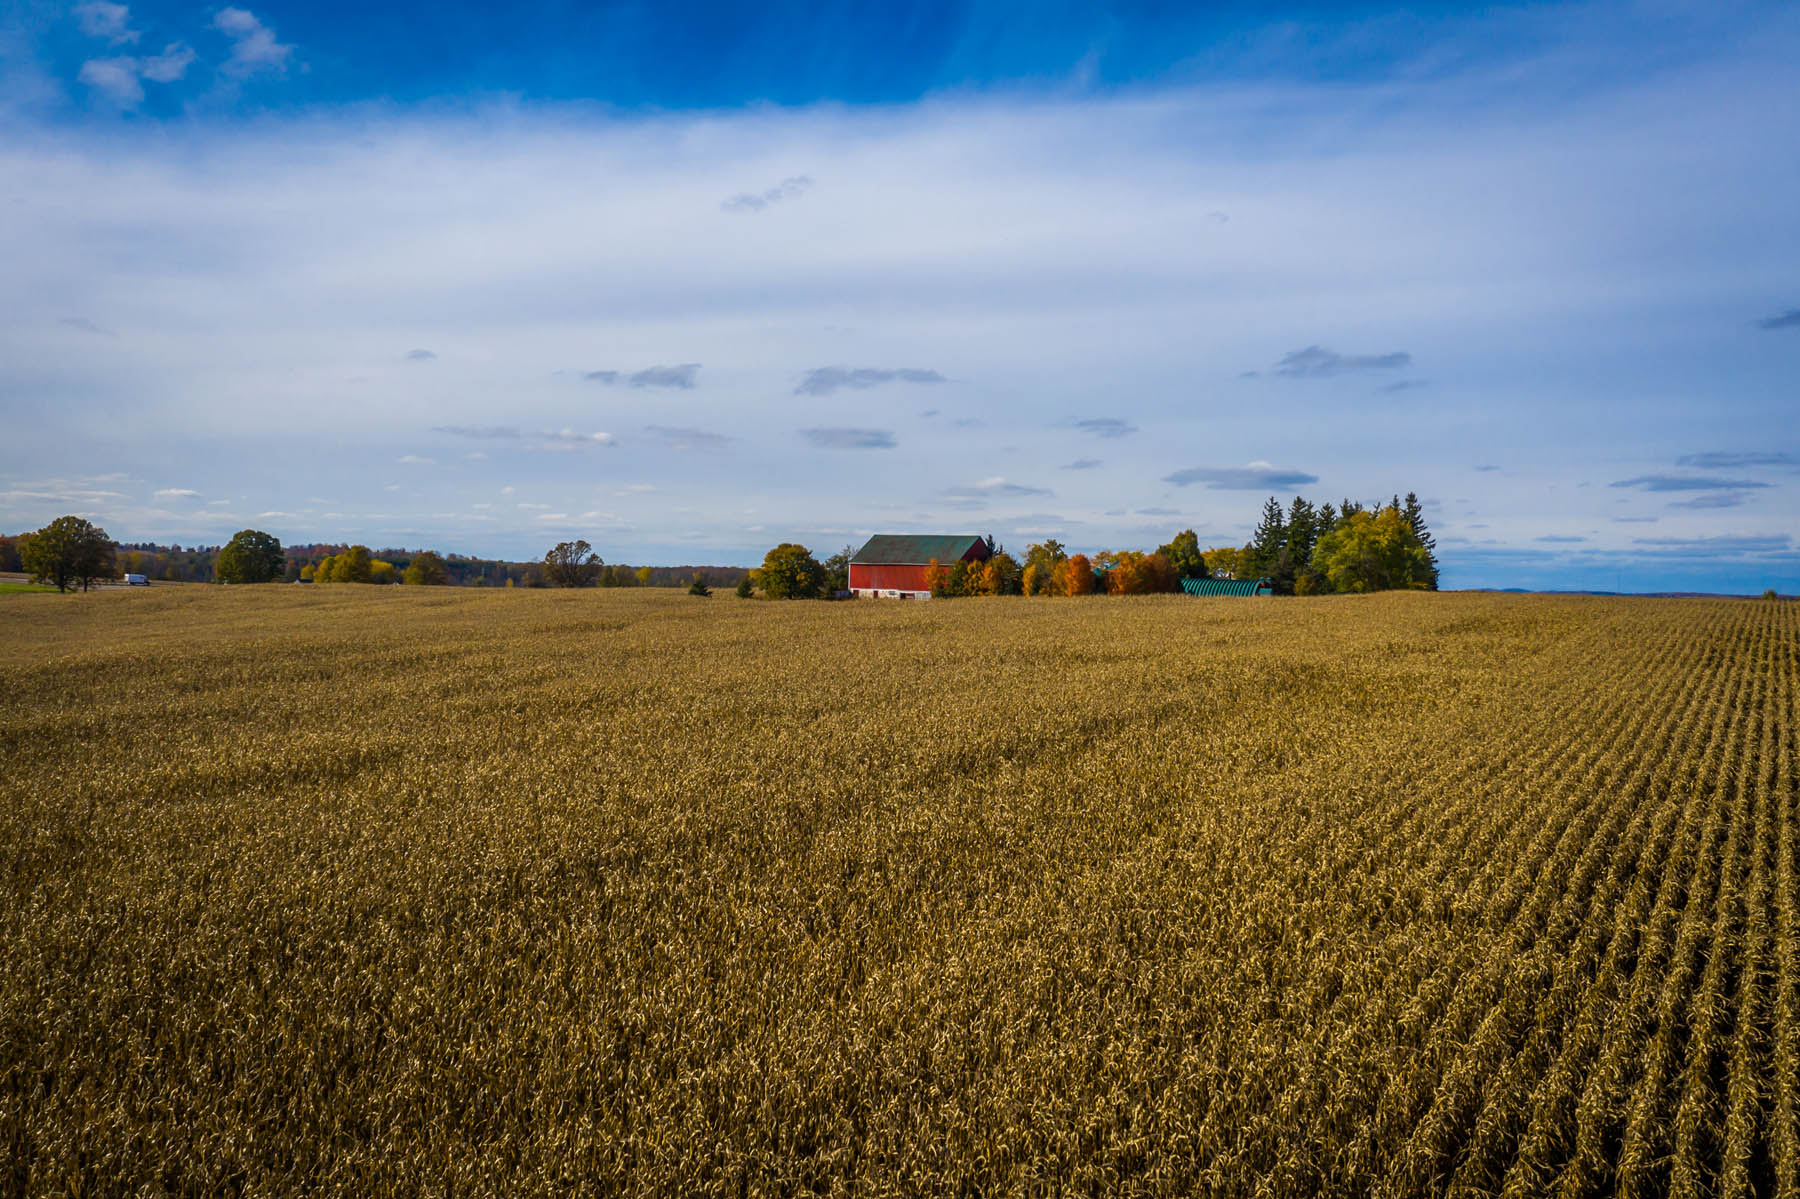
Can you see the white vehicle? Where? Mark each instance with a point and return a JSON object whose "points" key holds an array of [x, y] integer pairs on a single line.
{"points": [[137, 580]]}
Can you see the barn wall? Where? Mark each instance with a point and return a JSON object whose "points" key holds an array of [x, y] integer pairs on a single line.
{"points": [[888, 577]]}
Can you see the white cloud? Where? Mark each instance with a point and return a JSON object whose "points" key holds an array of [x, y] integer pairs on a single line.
{"points": [[1053, 255], [110, 21], [254, 48], [120, 79], [183, 491], [115, 78], [168, 66], [416, 460]]}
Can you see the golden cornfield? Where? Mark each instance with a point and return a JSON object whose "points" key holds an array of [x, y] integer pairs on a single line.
{"points": [[408, 890]]}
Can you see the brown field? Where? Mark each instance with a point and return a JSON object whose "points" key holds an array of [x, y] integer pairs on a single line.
{"points": [[402, 890]]}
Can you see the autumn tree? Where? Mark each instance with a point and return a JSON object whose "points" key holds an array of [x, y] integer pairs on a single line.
{"points": [[425, 570], [1002, 575], [937, 579], [1046, 556], [1373, 552], [572, 564], [68, 552], [1133, 573], [251, 556], [1227, 561], [1076, 575], [789, 571]]}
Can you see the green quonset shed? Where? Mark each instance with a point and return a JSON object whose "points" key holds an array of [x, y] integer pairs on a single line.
{"points": [[1226, 587]]}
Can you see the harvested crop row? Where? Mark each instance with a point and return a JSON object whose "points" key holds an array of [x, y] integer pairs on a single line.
{"points": [[626, 892]]}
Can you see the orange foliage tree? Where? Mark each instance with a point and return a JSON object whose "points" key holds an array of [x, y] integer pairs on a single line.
{"points": [[1077, 575]]}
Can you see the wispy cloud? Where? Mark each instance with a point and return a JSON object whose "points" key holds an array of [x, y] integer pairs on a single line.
{"points": [[787, 189], [976, 495], [682, 376], [569, 439], [420, 355], [175, 492], [1317, 362], [850, 439], [1559, 539], [415, 460], [1256, 476], [1713, 499], [1158, 512], [253, 46], [824, 380], [1402, 385], [85, 325], [1713, 546], [1636, 520], [1726, 460], [481, 432], [1080, 464], [1688, 483], [1106, 426], [687, 438], [1784, 320]]}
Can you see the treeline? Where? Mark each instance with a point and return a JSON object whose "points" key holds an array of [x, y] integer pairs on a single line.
{"points": [[1301, 549], [1308, 549], [303, 563]]}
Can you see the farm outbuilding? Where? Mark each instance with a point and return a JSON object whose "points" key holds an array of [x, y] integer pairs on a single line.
{"points": [[1226, 587], [892, 566]]}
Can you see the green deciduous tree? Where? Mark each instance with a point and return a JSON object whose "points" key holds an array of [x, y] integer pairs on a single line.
{"points": [[425, 570], [68, 552], [837, 570], [1184, 556], [572, 564], [1373, 552], [790, 572], [251, 556]]}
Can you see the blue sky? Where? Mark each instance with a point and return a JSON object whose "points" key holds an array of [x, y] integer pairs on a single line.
{"points": [[687, 280]]}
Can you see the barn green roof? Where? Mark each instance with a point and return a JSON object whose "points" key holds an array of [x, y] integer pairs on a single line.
{"points": [[1225, 587], [893, 549]]}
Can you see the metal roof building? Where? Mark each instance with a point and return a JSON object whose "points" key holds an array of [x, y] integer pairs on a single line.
{"points": [[893, 565], [1226, 587]]}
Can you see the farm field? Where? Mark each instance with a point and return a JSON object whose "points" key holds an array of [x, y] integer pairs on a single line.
{"points": [[408, 890]]}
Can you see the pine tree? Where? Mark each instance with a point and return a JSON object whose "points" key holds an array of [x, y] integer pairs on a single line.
{"points": [[1269, 539], [1414, 513]]}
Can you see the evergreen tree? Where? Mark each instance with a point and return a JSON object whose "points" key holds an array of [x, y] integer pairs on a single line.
{"points": [[746, 587], [1414, 513], [1267, 542]]}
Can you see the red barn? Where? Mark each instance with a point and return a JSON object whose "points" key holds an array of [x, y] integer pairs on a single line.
{"points": [[894, 565]]}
